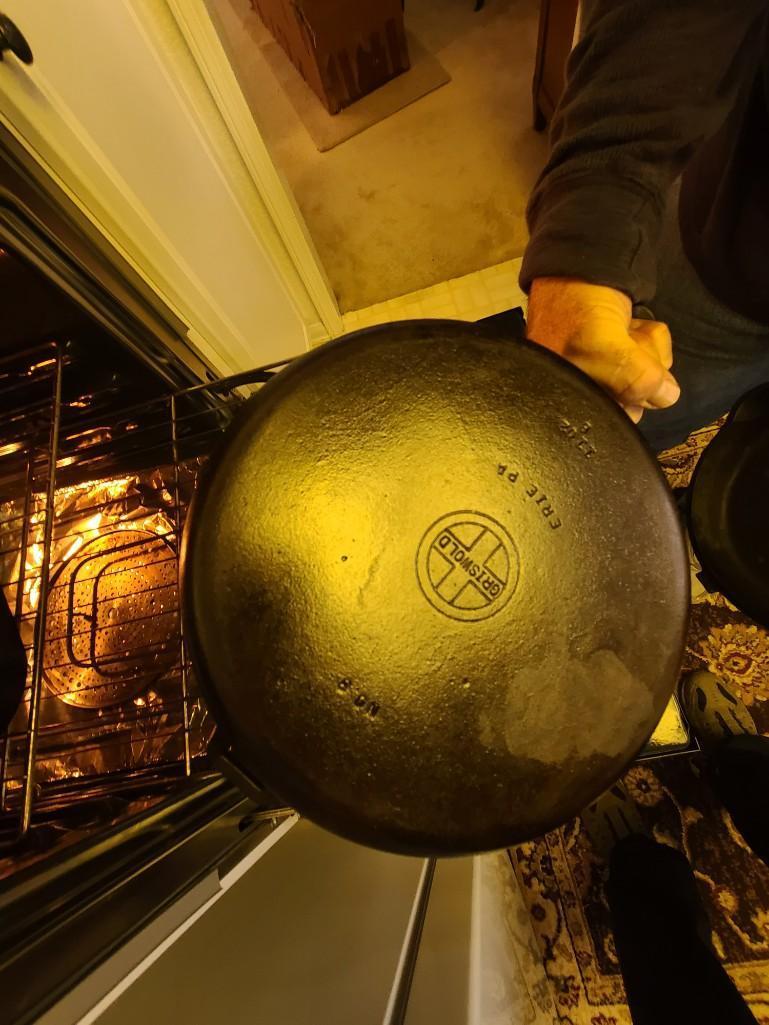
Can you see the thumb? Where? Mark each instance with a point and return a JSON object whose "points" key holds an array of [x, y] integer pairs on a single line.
{"points": [[640, 379]]}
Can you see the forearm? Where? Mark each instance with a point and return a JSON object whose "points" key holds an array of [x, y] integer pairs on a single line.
{"points": [[649, 80]]}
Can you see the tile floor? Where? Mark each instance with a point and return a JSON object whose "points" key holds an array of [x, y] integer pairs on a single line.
{"points": [[471, 297]]}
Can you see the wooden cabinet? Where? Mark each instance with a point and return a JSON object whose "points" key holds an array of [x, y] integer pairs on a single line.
{"points": [[344, 49], [557, 25]]}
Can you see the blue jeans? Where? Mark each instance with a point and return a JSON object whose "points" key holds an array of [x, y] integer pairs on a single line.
{"points": [[718, 355]]}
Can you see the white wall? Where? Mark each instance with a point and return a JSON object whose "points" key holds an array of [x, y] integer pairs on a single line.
{"points": [[115, 108]]}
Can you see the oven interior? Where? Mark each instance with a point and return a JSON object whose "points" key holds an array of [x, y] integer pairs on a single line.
{"points": [[99, 459]]}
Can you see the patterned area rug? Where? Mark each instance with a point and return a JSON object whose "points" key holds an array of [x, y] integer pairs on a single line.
{"points": [[561, 878]]}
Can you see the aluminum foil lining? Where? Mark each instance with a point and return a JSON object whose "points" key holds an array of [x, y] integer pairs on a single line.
{"points": [[112, 690]]}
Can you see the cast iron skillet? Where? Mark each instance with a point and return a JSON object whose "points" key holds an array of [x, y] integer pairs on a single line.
{"points": [[728, 502], [435, 588]]}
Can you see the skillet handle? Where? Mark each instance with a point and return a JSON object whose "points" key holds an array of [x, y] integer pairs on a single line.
{"points": [[754, 405]]}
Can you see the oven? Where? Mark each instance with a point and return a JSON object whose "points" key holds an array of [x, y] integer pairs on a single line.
{"points": [[120, 822], [104, 425]]}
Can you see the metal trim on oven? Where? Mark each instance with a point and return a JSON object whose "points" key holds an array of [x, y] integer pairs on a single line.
{"points": [[86, 908]]}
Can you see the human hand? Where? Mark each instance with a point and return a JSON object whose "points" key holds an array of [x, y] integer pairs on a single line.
{"points": [[592, 326]]}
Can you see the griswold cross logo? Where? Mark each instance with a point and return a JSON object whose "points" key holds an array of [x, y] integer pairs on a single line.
{"points": [[467, 565]]}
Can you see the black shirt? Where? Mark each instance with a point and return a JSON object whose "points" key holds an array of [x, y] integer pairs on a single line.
{"points": [[656, 89]]}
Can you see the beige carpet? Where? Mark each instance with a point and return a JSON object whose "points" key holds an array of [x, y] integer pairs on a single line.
{"points": [[438, 189]]}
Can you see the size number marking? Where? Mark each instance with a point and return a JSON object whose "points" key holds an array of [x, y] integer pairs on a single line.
{"points": [[579, 436], [533, 493], [361, 703]]}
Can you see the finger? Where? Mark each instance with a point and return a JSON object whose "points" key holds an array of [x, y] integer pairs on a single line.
{"points": [[667, 394], [656, 333], [648, 345], [639, 377], [634, 412]]}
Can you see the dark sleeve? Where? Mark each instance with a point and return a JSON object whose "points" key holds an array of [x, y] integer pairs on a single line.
{"points": [[647, 83]]}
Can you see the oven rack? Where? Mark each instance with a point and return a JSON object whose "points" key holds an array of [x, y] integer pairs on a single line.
{"points": [[93, 501]]}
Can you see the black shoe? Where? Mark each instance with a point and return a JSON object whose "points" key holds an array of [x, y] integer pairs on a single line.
{"points": [[714, 712], [611, 818]]}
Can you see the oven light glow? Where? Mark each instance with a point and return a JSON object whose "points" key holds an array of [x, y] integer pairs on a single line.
{"points": [[40, 366], [14, 446], [108, 491], [76, 545], [90, 530], [32, 583], [93, 436]]}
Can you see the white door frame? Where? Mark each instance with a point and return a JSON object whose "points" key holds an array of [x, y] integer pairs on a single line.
{"points": [[200, 33]]}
